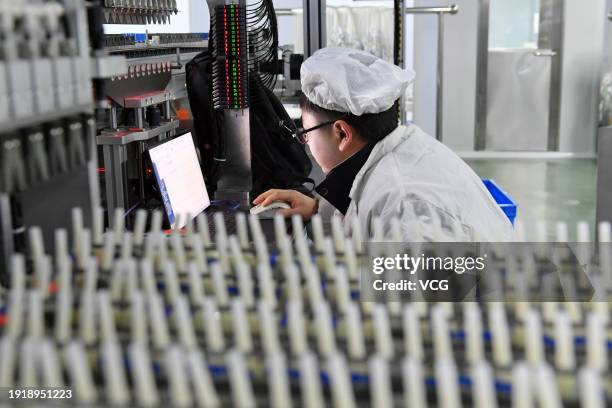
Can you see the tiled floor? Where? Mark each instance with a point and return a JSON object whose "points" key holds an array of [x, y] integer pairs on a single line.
{"points": [[553, 191]]}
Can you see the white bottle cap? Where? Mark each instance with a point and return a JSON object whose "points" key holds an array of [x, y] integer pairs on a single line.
{"points": [[203, 386], [310, 381], [297, 327], [413, 383], [340, 382], [279, 381], [142, 376], [240, 324], [179, 390], [117, 389], [240, 383], [383, 338], [215, 341], [380, 383]]}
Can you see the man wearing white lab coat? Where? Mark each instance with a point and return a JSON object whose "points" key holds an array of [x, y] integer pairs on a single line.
{"points": [[377, 169]]}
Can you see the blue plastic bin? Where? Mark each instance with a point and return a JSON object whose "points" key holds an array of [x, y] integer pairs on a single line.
{"points": [[502, 198]]}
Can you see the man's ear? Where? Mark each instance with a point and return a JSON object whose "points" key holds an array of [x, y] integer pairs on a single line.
{"points": [[346, 134]]}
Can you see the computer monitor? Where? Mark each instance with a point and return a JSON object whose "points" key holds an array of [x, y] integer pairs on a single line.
{"points": [[180, 180]]}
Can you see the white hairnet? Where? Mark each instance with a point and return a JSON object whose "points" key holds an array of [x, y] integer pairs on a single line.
{"points": [[354, 81]]}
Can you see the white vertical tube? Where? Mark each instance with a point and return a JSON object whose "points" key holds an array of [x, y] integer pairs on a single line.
{"points": [[180, 393], [413, 341], [522, 392], [203, 386], [80, 373], [340, 382], [380, 383], [297, 328], [242, 390], [326, 340], [310, 383], [279, 381], [483, 389], [383, 338], [354, 332], [473, 331], [215, 341], [413, 383], [142, 376], [447, 384], [240, 323]]}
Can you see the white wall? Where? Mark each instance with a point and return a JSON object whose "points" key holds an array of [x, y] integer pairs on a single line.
{"points": [[583, 44], [460, 52]]}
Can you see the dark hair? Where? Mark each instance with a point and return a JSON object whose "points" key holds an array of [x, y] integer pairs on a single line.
{"points": [[371, 127]]}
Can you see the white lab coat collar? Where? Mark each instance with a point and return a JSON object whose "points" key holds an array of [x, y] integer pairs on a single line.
{"points": [[386, 145]]}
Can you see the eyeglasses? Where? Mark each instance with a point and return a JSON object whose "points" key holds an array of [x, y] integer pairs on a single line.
{"points": [[300, 133]]}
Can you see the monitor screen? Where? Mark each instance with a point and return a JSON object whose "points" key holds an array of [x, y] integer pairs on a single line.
{"points": [[180, 180]]}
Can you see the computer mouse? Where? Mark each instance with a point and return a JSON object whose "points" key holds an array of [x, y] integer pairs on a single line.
{"points": [[269, 210]]}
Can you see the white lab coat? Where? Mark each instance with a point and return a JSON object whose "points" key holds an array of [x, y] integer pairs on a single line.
{"points": [[411, 177]]}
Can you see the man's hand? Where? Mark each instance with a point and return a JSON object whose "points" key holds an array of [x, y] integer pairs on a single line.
{"points": [[300, 203]]}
